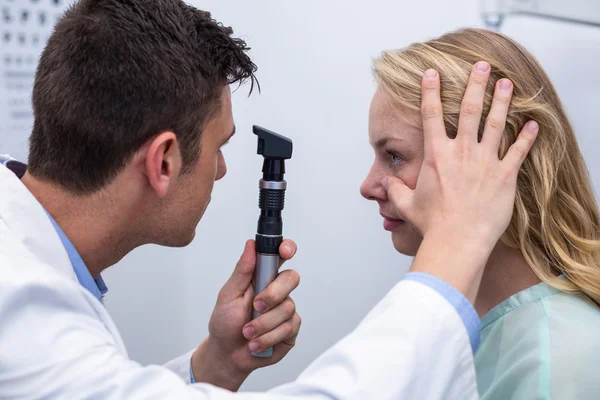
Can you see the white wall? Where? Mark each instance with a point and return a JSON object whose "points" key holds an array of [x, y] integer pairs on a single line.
{"points": [[314, 68]]}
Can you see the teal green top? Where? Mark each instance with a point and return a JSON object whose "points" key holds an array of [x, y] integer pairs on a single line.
{"points": [[540, 344]]}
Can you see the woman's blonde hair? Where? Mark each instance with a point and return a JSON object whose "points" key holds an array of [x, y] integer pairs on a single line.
{"points": [[555, 222]]}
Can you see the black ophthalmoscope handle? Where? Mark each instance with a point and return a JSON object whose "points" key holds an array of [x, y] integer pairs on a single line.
{"points": [[271, 202]]}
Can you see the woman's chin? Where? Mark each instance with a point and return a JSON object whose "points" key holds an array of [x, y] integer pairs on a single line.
{"points": [[407, 244]]}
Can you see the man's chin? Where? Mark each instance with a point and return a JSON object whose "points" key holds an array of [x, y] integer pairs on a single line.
{"points": [[180, 240], [189, 238]]}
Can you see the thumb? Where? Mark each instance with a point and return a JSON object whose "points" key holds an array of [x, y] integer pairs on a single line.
{"points": [[400, 195], [242, 275]]}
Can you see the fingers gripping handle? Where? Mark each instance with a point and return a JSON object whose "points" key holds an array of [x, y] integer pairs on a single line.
{"points": [[267, 266]]}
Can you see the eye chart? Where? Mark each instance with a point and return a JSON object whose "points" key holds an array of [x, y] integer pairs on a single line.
{"points": [[25, 26]]}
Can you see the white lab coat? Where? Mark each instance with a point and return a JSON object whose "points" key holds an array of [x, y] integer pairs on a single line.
{"points": [[58, 341]]}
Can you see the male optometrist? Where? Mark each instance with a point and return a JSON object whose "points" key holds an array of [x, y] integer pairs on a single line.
{"points": [[132, 106]]}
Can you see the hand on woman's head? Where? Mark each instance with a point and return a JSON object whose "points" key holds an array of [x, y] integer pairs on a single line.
{"points": [[463, 187], [555, 215]]}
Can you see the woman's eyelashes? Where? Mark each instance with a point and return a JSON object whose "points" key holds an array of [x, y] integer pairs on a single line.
{"points": [[394, 159]]}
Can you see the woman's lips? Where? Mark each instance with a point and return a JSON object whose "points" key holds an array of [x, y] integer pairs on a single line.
{"points": [[389, 224]]}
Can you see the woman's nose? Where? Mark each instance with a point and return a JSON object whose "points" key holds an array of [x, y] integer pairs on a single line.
{"points": [[371, 188]]}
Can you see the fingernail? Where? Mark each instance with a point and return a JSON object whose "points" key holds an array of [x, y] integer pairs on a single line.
{"points": [[385, 183], [260, 306], [254, 346], [249, 332], [532, 126], [482, 66], [505, 84], [289, 249], [431, 73]]}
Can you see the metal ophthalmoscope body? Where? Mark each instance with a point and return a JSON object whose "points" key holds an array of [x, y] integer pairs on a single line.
{"points": [[275, 149]]}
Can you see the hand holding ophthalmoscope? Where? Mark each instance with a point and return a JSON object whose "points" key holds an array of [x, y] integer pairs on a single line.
{"points": [[233, 333], [255, 291]]}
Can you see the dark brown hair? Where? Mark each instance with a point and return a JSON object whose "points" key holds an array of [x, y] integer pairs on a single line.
{"points": [[114, 73]]}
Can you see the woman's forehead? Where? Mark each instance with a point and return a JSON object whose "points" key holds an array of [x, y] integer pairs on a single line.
{"points": [[384, 109], [387, 121]]}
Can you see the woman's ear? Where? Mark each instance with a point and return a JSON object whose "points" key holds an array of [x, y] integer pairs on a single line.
{"points": [[163, 162]]}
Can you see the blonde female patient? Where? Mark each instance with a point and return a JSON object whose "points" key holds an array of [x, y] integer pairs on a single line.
{"points": [[538, 300]]}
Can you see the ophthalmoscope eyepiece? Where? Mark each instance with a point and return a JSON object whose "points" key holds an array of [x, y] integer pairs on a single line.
{"points": [[275, 149]]}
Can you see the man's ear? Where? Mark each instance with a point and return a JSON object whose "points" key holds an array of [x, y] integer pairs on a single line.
{"points": [[163, 162]]}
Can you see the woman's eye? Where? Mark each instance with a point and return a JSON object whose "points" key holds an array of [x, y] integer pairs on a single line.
{"points": [[395, 158]]}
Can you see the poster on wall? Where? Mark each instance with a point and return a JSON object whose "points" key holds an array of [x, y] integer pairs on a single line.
{"points": [[25, 26]]}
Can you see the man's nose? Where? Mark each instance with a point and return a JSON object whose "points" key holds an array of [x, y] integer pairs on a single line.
{"points": [[221, 168]]}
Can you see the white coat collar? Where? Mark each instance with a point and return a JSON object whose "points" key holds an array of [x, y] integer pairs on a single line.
{"points": [[29, 223]]}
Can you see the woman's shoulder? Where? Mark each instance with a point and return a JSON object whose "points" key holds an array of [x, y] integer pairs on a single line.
{"points": [[572, 313], [545, 305], [559, 314], [540, 345]]}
